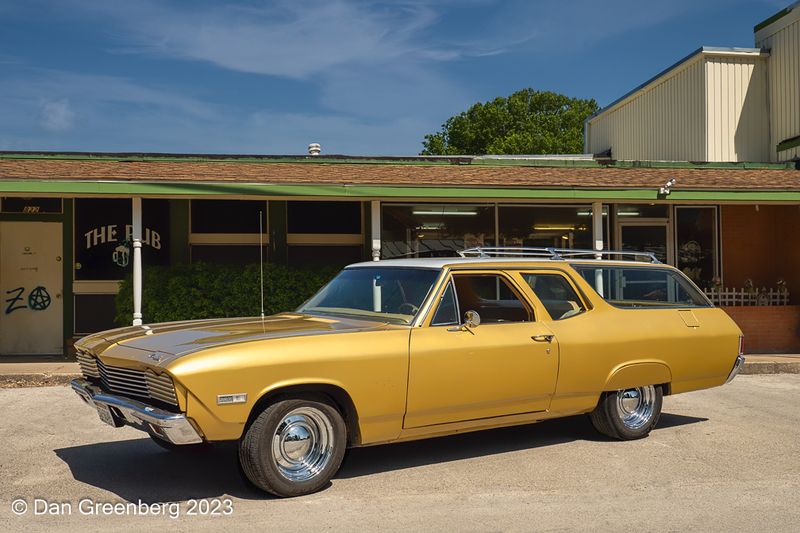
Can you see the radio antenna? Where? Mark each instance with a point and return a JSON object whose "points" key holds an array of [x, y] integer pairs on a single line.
{"points": [[261, 257]]}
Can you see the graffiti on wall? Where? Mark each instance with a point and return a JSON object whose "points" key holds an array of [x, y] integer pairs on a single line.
{"points": [[38, 299]]}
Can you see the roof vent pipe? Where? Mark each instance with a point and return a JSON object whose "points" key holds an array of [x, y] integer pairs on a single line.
{"points": [[314, 149]]}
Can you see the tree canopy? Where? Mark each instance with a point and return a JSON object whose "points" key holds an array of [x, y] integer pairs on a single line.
{"points": [[527, 122]]}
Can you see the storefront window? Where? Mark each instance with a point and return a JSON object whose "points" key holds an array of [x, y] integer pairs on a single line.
{"points": [[642, 211], [430, 230], [696, 235], [228, 216], [30, 206], [103, 229], [548, 226], [324, 217]]}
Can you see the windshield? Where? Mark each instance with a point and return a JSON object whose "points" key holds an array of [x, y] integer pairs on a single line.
{"points": [[386, 294]]}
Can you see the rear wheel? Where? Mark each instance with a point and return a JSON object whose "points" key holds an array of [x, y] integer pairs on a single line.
{"points": [[293, 447], [629, 413]]}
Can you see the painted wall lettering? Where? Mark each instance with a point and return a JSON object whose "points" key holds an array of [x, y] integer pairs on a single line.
{"points": [[38, 299], [13, 301], [106, 234], [104, 230]]}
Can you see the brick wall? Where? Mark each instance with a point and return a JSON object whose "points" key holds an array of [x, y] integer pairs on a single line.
{"points": [[761, 245], [768, 329]]}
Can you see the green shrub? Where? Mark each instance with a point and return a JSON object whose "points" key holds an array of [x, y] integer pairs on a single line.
{"points": [[203, 290]]}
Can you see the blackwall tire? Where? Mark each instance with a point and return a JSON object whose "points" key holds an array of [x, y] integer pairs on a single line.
{"points": [[293, 447], [628, 414]]}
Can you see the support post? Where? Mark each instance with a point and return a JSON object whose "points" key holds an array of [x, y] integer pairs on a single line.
{"points": [[136, 237], [375, 225], [597, 232]]}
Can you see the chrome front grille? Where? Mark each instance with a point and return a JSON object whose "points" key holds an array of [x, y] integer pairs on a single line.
{"points": [[127, 381], [160, 387], [88, 364]]}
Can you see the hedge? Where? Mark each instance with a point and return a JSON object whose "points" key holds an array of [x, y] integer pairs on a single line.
{"points": [[203, 290]]}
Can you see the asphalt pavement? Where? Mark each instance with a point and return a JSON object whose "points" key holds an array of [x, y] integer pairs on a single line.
{"points": [[725, 459]]}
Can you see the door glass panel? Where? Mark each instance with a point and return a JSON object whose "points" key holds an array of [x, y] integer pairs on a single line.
{"points": [[556, 295], [645, 239], [492, 297]]}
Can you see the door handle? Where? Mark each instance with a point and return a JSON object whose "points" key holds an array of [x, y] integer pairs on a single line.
{"points": [[543, 338]]}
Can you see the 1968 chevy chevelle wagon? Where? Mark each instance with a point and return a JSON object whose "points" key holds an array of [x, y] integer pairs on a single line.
{"points": [[413, 348]]}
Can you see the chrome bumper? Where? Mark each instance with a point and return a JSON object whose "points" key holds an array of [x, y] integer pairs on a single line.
{"points": [[737, 366], [118, 411]]}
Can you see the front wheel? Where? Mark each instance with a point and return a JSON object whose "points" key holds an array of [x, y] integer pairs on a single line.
{"points": [[293, 447], [629, 413]]}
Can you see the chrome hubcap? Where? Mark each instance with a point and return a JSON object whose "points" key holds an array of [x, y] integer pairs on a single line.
{"points": [[303, 444], [635, 406]]}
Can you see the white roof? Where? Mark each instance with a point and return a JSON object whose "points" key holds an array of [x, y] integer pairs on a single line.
{"points": [[440, 262]]}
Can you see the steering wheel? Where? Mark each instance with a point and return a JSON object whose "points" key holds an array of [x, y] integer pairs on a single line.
{"points": [[413, 308]]}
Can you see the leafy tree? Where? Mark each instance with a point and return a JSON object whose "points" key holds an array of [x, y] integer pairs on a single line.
{"points": [[527, 122]]}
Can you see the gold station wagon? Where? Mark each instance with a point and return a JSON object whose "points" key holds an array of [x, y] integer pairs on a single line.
{"points": [[407, 349]]}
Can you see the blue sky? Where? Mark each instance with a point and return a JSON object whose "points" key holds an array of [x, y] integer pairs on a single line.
{"points": [[357, 76]]}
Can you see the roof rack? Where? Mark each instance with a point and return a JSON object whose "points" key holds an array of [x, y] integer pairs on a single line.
{"points": [[556, 254]]}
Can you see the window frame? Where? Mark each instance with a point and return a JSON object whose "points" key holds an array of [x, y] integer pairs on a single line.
{"points": [[533, 309], [440, 299]]}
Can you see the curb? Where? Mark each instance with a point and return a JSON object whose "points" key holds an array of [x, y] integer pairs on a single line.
{"points": [[16, 381], [770, 367]]}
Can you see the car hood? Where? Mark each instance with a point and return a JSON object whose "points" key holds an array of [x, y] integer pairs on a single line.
{"points": [[167, 341]]}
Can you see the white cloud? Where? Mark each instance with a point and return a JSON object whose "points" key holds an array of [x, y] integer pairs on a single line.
{"points": [[56, 115], [284, 38]]}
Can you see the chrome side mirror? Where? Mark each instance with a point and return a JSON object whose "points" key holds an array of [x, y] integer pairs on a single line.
{"points": [[472, 319]]}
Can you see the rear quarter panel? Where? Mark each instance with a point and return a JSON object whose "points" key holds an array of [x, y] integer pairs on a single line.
{"points": [[610, 348]]}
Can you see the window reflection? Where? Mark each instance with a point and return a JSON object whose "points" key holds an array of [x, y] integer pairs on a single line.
{"points": [[696, 229], [545, 226], [431, 230]]}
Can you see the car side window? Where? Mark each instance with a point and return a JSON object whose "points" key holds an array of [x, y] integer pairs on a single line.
{"points": [[556, 295], [447, 312], [492, 297]]}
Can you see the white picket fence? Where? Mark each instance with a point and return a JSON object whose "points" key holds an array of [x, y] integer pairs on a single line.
{"points": [[764, 296]]}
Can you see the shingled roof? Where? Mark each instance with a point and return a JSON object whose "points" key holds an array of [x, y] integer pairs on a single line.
{"points": [[398, 172]]}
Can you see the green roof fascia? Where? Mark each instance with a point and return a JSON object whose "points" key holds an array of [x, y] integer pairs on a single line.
{"points": [[777, 16], [410, 161], [787, 144], [173, 189]]}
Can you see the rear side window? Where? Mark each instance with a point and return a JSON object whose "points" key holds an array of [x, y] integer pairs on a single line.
{"points": [[642, 287], [556, 295]]}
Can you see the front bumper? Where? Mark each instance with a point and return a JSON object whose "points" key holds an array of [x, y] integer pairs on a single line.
{"points": [[737, 366], [118, 411]]}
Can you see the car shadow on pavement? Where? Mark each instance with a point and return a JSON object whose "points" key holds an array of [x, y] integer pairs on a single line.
{"points": [[384, 458], [140, 470]]}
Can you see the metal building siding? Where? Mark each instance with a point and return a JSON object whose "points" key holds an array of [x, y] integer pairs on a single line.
{"points": [[666, 121], [783, 39], [736, 113]]}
